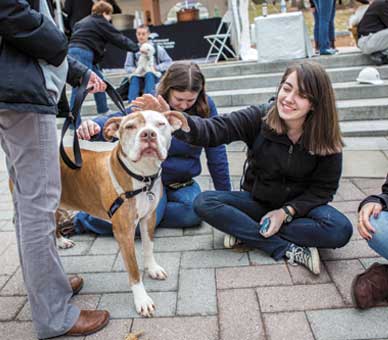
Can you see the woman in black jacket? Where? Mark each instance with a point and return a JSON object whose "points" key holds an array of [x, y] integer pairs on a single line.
{"points": [[293, 168], [88, 41]]}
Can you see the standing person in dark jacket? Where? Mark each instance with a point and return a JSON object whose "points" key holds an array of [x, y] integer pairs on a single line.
{"points": [[373, 31], [371, 287], [88, 41], [293, 169], [34, 68], [183, 86], [79, 9]]}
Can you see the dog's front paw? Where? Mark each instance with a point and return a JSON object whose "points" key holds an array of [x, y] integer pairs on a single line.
{"points": [[156, 272], [144, 305], [65, 243]]}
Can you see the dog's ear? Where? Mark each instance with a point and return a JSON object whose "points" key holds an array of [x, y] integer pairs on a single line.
{"points": [[111, 128], [177, 120]]}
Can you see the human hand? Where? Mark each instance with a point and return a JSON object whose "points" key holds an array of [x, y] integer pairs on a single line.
{"points": [[276, 218], [96, 84], [364, 227], [88, 129], [149, 102]]}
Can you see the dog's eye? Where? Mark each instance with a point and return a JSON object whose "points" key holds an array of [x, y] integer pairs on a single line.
{"points": [[161, 124], [130, 126]]}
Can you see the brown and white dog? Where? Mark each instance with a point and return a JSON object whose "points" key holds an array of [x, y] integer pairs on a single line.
{"points": [[144, 140]]}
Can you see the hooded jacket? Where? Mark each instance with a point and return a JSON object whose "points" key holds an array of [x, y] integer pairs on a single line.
{"points": [[27, 38]]}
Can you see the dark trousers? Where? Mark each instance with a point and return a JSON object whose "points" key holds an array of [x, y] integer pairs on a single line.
{"points": [[237, 214]]}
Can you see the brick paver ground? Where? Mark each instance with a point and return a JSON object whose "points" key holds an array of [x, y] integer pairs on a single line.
{"points": [[211, 293]]}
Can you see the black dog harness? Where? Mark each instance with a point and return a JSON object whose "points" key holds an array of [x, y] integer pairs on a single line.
{"points": [[149, 183]]}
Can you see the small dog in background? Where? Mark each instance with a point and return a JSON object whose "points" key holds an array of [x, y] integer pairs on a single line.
{"points": [[146, 62]]}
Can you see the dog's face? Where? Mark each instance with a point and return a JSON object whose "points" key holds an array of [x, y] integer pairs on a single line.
{"points": [[147, 49], [145, 134]]}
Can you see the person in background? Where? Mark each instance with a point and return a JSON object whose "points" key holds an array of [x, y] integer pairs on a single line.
{"points": [[34, 70], [331, 27], [371, 287], [79, 9], [373, 32], [147, 83], [183, 87], [87, 45], [324, 27], [293, 168]]}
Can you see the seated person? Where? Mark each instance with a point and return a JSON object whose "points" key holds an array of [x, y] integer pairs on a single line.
{"points": [[294, 164], [373, 31], [183, 86], [371, 287], [146, 83]]}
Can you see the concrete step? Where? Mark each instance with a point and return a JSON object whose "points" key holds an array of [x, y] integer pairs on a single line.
{"points": [[342, 74], [248, 68], [349, 110], [247, 96], [343, 91], [365, 128], [241, 68]]}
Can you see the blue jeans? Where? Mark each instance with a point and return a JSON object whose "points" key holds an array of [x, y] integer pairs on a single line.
{"points": [[324, 29], [175, 210], [179, 211], [86, 57], [237, 214], [150, 81], [379, 241]]}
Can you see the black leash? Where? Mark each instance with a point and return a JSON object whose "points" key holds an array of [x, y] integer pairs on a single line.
{"points": [[149, 180], [71, 119]]}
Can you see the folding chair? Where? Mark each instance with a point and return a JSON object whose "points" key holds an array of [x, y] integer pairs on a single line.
{"points": [[218, 41]]}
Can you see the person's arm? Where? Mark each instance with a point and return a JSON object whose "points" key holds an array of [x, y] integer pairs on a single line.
{"points": [[217, 160], [210, 132], [101, 120], [384, 15], [129, 64], [116, 38], [381, 198], [31, 32], [76, 71], [164, 59], [323, 185]]}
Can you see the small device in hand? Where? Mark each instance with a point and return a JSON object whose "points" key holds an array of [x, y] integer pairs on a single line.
{"points": [[263, 227]]}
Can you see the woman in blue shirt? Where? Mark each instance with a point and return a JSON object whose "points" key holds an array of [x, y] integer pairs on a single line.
{"points": [[183, 87]]}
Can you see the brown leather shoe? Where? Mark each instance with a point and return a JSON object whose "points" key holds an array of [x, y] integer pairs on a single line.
{"points": [[370, 287], [89, 322], [76, 283]]}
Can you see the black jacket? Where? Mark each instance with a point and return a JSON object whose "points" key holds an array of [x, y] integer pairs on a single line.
{"points": [[382, 198], [27, 36], [94, 32], [375, 18], [79, 9], [278, 172]]}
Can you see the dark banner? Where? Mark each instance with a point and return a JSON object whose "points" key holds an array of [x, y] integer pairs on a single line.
{"points": [[182, 40]]}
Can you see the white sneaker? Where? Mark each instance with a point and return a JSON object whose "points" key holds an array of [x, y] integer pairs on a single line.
{"points": [[229, 241], [306, 256]]}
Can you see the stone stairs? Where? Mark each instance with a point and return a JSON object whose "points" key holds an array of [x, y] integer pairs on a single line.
{"points": [[363, 108]]}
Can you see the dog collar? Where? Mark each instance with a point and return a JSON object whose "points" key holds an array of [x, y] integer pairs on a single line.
{"points": [[145, 179], [149, 180]]}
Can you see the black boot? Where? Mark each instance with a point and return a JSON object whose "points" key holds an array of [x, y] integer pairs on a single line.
{"points": [[378, 58]]}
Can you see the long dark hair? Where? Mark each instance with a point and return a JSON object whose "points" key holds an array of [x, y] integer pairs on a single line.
{"points": [[185, 76], [321, 131]]}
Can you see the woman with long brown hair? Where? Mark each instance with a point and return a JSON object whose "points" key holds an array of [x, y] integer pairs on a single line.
{"points": [[293, 168], [183, 88]]}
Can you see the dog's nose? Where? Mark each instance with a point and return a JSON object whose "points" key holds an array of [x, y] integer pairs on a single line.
{"points": [[148, 135]]}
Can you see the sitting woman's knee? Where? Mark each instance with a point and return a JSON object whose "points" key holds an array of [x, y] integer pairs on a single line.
{"points": [[203, 202], [380, 224]]}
